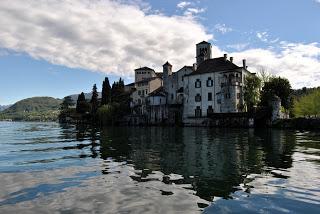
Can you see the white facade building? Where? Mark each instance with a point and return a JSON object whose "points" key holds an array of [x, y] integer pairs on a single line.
{"points": [[211, 85]]}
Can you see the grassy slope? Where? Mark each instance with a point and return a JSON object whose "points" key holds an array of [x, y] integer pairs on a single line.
{"points": [[33, 109]]}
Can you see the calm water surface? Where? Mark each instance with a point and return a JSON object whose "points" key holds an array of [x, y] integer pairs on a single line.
{"points": [[50, 168]]}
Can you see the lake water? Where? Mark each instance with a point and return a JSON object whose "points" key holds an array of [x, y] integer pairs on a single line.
{"points": [[50, 168]]}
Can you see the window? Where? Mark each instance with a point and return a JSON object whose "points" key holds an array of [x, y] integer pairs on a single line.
{"points": [[238, 95], [209, 110], [227, 96], [198, 98], [197, 83], [198, 111], [139, 93], [209, 82], [171, 96], [209, 96], [146, 91], [139, 101]]}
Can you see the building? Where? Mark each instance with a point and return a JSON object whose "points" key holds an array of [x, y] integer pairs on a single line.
{"points": [[193, 93]]}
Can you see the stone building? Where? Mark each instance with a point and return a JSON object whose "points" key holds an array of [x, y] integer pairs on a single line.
{"points": [[193, 93]]}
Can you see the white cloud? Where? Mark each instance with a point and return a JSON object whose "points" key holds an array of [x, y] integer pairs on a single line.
{"points": [[300, 63], [116, 37], [183, 4], [193, 11], [238, 46], [318, 1], [107, 36], [263, 36], [222, 28]]}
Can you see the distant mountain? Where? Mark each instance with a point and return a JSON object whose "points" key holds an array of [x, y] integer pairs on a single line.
{"points": [[88, 96], [33, 109], [4, 107]]}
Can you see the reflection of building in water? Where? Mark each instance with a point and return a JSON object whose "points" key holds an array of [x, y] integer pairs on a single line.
{"points": [[213, 161]]}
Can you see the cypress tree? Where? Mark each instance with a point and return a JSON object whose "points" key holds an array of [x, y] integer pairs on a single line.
{"points": [[94, 100], [81, 104], [106, 92]]}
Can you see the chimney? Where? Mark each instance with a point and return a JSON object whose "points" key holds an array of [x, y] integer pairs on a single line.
{"points": [[194, 66], [244, 62], [225, 57], [231, 59]]}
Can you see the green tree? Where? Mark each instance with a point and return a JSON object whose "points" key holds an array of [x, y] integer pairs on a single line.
{"points": [[106, 114], [280, 87], [117, 90], [94, 100], [251, 91], [106, 92], [308, 105], [82, 105], [66, 103]]}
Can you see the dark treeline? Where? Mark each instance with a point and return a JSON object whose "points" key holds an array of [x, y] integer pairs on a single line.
{"points": [[109, 110]]}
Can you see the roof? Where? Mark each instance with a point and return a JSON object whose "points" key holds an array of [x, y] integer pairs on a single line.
{"points": [[144, 68], [158, 92], [131, 84], [147, 80], [203, 42], [214, 65]]}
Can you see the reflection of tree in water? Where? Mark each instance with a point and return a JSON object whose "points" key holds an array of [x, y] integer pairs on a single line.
{"points": [[278, 147], [213, 161], [85, 136]]}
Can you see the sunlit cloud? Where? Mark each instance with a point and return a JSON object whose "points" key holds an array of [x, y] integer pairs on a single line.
{"points": [[113, 37]]}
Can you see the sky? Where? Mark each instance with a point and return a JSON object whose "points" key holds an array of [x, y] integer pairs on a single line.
{"points": [[62, 47]]}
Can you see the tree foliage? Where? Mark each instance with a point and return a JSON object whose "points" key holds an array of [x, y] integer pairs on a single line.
{"points": [[82, 105], [251, 91], [94, 100], [117, 91], [280, 87], [308, 105], [66, 103], [106, 92]]}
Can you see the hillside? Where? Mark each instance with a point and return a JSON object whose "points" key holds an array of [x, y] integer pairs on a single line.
{"points": [[4, 107], [33, 109]]}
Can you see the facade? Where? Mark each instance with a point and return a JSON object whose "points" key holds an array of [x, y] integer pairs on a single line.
{"points": [[210, 86]]}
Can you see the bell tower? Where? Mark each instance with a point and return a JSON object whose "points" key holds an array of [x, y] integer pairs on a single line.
{"points": [[167, 71], [203, 52]]}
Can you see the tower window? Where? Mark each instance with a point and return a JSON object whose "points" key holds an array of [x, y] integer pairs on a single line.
{"points": [[209, 96]]}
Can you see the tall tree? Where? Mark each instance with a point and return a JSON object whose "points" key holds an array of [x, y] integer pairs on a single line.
{"points": [[117, 90], [280, 87], [82, 105], [106, 92], [94, 100], [251, 91]]}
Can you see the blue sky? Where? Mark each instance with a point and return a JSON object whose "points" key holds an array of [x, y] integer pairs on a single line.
{"points": [[59, 48]]}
